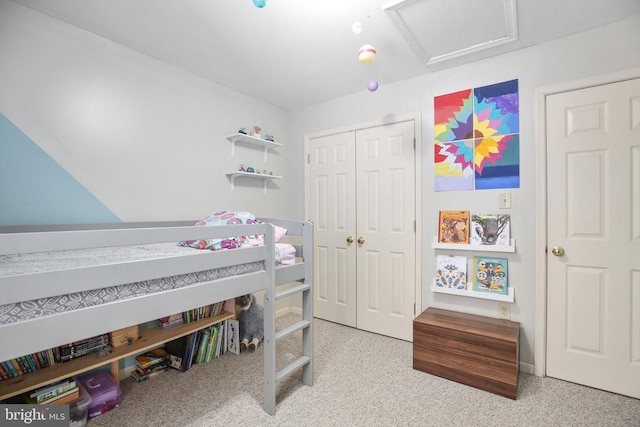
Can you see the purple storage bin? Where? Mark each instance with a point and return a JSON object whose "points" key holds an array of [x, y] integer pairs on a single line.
{"points": [[104, 391]]}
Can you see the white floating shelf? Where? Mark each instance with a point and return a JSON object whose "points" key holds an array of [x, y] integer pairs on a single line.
{"points": [[241, 137], [265, 177], [510, 297], [477, 248]]}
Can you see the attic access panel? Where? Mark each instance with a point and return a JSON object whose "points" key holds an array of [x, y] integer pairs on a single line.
{"points": [[439, 30]]}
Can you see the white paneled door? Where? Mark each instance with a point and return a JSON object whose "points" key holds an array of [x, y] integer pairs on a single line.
{"points": [[593, 284], [332, 208], [362, 202]]}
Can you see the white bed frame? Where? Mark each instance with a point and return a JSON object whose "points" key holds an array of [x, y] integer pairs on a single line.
{"points": [[26, 337]]}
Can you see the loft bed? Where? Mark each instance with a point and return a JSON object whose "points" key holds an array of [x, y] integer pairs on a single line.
{"points": [[112, 292]]}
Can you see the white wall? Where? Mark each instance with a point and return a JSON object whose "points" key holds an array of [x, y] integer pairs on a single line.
{"points": [[603, 50], [146, 138]]}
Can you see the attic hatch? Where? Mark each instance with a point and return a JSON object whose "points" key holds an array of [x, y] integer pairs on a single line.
{"points": [[440, 30]]}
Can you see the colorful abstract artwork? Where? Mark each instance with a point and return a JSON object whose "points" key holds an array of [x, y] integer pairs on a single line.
{"points": [[497, 162], [454, 165], [476, 138], [454, 116]]}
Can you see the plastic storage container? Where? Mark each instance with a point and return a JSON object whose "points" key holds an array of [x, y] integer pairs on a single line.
{"points": [[104, 391], [79, 409]]}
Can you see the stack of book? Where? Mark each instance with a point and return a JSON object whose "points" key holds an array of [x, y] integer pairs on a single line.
{"points": [[150, 364], [61, 392], [171, 321], [77, 349]]}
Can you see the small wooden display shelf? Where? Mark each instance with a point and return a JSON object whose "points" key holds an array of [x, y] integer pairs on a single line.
{"points": [[147, 340], [478, 351]]}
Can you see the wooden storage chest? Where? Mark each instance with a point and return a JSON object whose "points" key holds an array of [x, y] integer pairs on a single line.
{"points": [[474, 350]]}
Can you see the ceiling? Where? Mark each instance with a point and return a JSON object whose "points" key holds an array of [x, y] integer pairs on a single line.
{"points": [[295, 53]]}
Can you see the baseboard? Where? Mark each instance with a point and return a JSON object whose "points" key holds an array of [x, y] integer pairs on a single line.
{"points": [[287, 310], [526, 368], [126, 372]]}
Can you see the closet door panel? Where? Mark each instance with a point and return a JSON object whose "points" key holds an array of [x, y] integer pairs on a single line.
{"points": [[385, 182], [332, 210]]}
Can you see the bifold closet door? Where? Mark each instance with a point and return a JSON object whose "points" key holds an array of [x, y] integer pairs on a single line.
{"points": [[332, 207], [361, 198], [385, 220]]}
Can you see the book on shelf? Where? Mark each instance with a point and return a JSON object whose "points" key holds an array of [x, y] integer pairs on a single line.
{"points": [[213, 338], [171, 321], [9, 368], [139, 376], [23, 366], [451, 272], [218, 343], [187, 360], [67, 399], [152, 357], [181, 351], [233, 337], [176, 349], [16, 367], [490, 275], [66, 396], [3, 373], [491, 229], [453, 227], [152, 368], [52, 390], [67, 352]]}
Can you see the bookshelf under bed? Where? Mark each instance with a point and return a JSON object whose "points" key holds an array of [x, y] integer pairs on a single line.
{"points": [[112, 293]]}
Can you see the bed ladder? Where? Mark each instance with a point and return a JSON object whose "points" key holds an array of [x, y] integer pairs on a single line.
{"points": [[272, 336]]}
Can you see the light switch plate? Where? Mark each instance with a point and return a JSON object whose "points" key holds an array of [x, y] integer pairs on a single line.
{"points": [[505, 201]]}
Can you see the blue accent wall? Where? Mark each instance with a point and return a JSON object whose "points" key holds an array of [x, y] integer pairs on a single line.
{"points": [[34, 189]]}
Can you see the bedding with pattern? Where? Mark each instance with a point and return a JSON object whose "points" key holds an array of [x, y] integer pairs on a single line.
{"points": [[16, 264]]}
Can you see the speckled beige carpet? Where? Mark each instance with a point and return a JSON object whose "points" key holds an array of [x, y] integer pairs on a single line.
{"points": [[361, 379]]}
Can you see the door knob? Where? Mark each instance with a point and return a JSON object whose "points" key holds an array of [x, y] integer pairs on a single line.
{"points": [[350, 239], [557, 251], [361, 240]]}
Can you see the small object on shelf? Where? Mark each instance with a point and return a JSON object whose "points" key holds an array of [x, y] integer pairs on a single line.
{"points": [[250, 170], [257, 170], [256, 131], [121, 336], [107, 351], [242, 131], [242, 169], [271, 173], [269, 138]]}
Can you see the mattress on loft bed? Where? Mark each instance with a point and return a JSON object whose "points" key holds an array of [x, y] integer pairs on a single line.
{"points": [[17, 264]]}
